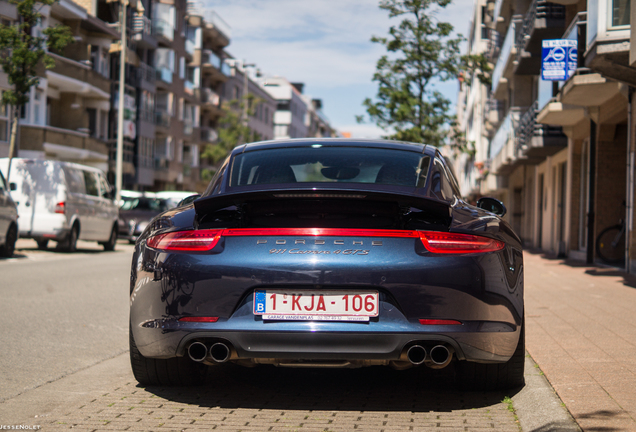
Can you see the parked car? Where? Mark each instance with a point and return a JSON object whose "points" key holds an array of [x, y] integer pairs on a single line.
{"points": [[64, 202], [8, 220], [329, 253], [174, 197], [135, 213]]}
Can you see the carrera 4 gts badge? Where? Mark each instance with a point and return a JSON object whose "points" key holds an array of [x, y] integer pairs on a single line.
{"points": [[297, 251]]}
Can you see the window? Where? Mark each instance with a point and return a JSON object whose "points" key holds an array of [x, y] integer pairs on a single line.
{"points": [[75, 180], [329, 165], [182, 67], [38, 106], [92, 121], [105, 188], [620, 13], [90, 181]]}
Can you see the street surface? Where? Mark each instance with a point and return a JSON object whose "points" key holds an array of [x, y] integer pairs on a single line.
{"points": [[65, 365]]}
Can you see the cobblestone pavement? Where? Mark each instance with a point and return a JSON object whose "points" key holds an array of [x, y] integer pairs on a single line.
{"points": [[272, 399]]}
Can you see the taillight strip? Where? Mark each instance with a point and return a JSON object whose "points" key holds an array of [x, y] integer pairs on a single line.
{"points": [[434, 241]]}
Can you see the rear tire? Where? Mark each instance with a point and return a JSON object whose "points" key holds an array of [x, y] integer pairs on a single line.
{"points": [[178, 371], [70, 244], [494, 376], [42, 244], [112, 241], [8, 248]]}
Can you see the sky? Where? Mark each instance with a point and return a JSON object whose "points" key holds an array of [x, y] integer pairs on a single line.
{"points": [[324, 44]]}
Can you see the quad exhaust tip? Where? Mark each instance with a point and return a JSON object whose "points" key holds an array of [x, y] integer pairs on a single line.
{"points": [[219, 352], [440, 357], [197, 351], [416, 354]]}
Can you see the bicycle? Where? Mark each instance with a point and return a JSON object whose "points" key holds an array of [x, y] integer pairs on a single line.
{"points": [[610, 243]]}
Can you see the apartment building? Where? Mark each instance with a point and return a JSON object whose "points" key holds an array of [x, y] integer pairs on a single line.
{"points": [[67, 116], [290, 118], [558, 153], [174, 72], [240, 84]]}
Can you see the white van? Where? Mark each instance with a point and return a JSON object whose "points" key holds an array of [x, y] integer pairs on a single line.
{"points": [[62, 201]]}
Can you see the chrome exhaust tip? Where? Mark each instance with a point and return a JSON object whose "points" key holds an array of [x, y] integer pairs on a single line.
{"points": [[416, 354], [440, 357], [219, 352], [197, 351]]}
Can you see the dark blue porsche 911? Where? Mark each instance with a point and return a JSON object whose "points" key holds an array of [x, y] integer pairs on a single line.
{"points": [[329, 253]]}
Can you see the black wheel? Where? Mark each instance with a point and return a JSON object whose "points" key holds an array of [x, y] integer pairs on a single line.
{"points": [[495, 376], [9, 242], [610, 244], [178, 371], [112, 241], [70, 244], [43, 244]]}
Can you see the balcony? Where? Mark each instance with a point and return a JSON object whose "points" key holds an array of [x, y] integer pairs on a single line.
{"points": [[217, 28], [495, 42], [608, 40], [163, 29], [162, 118], [188, 87], [503, 69], [146, 73], [536, 141], [64, 144], [164, 74], [208, 135], [502, 151], [188, 126], [142, 32], [189, 47], [80, 77], [212, 64], [494, 113], [543, 20], [131, 73]]}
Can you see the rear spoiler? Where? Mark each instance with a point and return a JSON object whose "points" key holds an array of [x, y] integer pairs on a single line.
{"points": [[211, 204]]}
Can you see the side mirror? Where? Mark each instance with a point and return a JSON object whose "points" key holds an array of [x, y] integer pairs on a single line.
{"points": [[188, 200], [492, 205], [13, 186]]}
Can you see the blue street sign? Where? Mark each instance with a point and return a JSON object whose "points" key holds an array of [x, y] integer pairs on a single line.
{"points": [[558, 59]]}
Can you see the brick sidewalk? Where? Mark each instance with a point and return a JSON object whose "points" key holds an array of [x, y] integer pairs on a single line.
{"points": [[581, 330], [267, 398]]}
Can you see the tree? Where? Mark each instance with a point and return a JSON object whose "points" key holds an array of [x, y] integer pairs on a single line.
{"points": [[421, 52], [232, 131], [24, 53]]}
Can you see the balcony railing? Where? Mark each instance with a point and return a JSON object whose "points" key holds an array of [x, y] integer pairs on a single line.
{"points": [[528, 128], [209, 97], [164, 74], [208, 58], [208, 135], [226, 69], [495, 42], [504, 134], [189, 47], [551, 14], [504, 54], [188, 87], [194, 8], [146, 72], [142, 25], [162, 118], [188, 127], [163, 28], [217, 22]]}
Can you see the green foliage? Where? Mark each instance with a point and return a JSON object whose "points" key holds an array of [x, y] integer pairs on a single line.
{"points": [[421, 51], [231, 130], [24, 53]]}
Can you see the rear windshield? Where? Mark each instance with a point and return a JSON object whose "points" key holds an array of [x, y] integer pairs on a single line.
{"points": [[330, 165]]}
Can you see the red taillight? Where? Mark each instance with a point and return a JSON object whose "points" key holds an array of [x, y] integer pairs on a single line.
{"points": [[439, 322], [188, 241], [452, 243], [60, 207], [436, 242], [199, 319]]}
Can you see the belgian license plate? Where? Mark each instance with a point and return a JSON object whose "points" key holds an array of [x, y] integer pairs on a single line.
{"points": [[301, 305]]}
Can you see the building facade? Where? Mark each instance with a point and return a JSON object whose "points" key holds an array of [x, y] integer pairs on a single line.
{"points": [[559, 154]]}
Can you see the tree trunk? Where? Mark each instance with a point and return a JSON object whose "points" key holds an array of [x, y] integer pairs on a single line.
{"points": [[14, 133]]}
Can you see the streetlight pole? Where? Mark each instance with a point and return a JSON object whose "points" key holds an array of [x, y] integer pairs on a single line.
{"points": [[120, 114]]}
